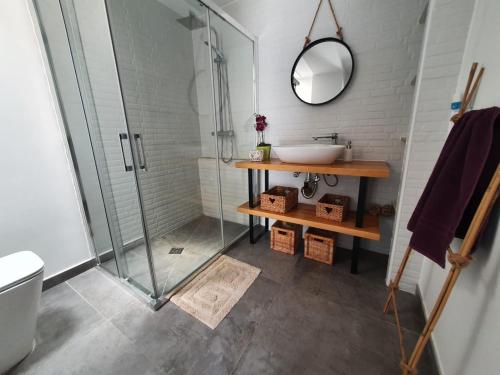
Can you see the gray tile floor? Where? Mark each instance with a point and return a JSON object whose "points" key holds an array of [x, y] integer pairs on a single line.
{"points": [[299, 317]]}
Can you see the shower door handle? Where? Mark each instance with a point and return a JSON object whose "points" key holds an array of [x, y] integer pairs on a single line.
{"points": [[140, 151], [124, 136]]}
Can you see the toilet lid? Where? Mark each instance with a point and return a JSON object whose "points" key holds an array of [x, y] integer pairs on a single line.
{"points": [[18, 267]]}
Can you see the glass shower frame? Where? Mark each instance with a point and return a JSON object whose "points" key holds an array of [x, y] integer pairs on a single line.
{"points": [[156, 296]]}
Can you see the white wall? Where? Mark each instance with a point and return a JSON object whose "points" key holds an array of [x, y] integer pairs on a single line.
{"points": [[446, 33], [467, 336], [374, 112], [39, 209]]}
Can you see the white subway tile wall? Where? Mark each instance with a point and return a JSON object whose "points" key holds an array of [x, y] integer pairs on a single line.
{"points": [[374, 111]]}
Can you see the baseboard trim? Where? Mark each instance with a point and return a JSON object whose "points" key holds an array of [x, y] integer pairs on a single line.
{"points": [[68, 274], [435, 352]]}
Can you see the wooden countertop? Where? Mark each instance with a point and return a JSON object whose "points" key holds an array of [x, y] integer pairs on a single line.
{"points": [[361, 168]]}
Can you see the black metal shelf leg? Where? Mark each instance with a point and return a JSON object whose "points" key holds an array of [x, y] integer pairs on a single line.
{"points": [[360, 213], [251, 205], [266, 187]]}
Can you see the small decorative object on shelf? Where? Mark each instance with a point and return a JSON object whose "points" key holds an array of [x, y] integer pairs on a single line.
{"points": [[319, 245], [260, 127], [333, 207], [285, 237], [279, 199], [256, 155]]}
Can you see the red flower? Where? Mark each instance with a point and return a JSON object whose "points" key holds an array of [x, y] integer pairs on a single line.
{"points": [[260, 123]]}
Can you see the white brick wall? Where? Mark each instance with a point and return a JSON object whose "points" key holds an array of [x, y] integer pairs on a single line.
{"points": [[374, 111], [447, 31]]}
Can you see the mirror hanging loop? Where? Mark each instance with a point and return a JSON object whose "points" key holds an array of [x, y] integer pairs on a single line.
{"points": [[332, 10]]}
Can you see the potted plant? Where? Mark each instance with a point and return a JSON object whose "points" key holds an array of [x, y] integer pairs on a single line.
{"points": [[260, 127]]}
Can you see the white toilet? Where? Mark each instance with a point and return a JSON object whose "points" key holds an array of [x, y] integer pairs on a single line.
{"points": [[21, 277]]}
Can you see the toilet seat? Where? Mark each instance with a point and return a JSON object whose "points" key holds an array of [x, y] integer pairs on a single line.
{"points": [[19, 267]]}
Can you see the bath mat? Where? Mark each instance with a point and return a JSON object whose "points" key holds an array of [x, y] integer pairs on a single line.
{"points": [[211, 295]]}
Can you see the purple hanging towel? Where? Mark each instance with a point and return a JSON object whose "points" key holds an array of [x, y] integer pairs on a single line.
{"points": [[460, 177]]}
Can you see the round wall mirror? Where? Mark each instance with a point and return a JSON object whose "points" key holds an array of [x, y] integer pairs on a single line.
{"points": [[322, 71]]}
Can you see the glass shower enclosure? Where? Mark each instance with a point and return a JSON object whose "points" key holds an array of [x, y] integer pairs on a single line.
{"points": [[158, 99]]}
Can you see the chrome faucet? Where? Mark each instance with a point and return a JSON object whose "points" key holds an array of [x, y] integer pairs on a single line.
{"points": [[333, 137]]}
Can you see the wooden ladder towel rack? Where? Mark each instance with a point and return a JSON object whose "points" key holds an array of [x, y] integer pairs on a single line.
{"points": [[458, 260]]}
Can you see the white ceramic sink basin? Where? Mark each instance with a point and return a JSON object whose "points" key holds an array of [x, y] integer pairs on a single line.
{"points": [[309, 153]]}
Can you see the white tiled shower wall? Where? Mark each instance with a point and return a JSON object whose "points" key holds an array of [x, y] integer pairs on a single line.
{"points": [[374, 112]]}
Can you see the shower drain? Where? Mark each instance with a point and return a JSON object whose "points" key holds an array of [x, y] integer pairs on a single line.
{"points": [[176, 250]]}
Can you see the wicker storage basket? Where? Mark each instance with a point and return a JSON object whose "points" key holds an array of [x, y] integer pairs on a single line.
{"points": [[285, 237], [333, 207], [279, 199], [319, 245]]}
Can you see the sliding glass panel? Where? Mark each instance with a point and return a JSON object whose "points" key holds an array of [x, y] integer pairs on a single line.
{"points": [[70, 102], [161, 48], [233, 74], [95, 75]]}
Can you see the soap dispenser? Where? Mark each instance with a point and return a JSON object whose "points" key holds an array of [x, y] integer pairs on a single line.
{"points": [[348, 151]]}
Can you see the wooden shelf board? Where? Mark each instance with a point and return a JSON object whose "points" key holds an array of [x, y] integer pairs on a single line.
{"points": [[361, 168], [305, 214]]}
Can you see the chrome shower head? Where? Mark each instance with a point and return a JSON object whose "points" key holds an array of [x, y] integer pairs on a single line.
{"points": [[191, 22]]}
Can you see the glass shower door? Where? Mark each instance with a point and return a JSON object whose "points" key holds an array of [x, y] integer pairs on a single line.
{"points": [[89, 43], [161, 49], [158, 97], [234, 93]]}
